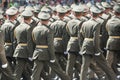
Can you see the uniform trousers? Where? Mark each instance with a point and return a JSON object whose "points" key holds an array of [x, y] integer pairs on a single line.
{"points": [[22, 68], [72, 63], [39, 65], [113, 58], [100, 61]]}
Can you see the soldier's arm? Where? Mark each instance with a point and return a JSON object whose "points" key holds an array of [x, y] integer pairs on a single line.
{"points": [[81, 36], [1, 41], [65, 37], [51, 45], [96, 39], [2, 50], [29, 42], [13, 38]]}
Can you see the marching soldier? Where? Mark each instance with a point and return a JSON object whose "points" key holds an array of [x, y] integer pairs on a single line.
{"points": [[8, 30], [89, 44], [5, 69], [106, 16], [36, 12], [67, 15], [60, 36], [73, 27], [44, 52], [113, 47], [24, 49]]}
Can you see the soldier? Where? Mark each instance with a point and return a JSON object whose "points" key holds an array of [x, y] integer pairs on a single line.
{"points": [[8, 30], [85, 12], [113, 47], [106, 16], [89, 44], [24, 49], [60, 36], [73, 27], [5, 69], [67, 17], [44, 52], [36, 12]]}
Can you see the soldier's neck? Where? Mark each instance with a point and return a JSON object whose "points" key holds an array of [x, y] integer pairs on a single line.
{"points": [[11, 19], [27, 21]]}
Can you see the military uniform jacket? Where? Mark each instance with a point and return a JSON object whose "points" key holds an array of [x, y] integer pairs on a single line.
{"points": [[84, 18], [60, 35], [73, 27], [89, 37], [106, 16], [43, 36], [8, 31], [102, 32], [67, 19], [113, 28], [23, 35]]}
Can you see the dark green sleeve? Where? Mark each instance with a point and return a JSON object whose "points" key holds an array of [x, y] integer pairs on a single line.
{"points": [[96, 38], [51, 45], [1, 41], [81, 37], [29, 41], [65, 37], [12, 38]]}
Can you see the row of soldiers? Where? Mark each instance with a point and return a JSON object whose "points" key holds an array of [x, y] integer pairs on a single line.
{"points": [[42, 42]]}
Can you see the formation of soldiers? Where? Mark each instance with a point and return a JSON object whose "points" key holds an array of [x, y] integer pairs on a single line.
{"points": [[76, 42]]}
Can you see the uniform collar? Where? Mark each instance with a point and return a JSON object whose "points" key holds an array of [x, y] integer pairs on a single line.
{"points": [[13, 22]]}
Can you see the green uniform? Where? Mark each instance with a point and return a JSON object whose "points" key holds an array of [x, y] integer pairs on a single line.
{"points": [[44, 52], [89, 42], [113, 47], [60, 41], [8, 30], [105, 36], [6, 71], [23, 50], [73, 27], [10, 43]]}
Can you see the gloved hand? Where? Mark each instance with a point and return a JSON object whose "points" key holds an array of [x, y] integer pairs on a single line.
{"points": [[52, 61], [97, 54], [5, 65], [30, 59], [65, 52]]}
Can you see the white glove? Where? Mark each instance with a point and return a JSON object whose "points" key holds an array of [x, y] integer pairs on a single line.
{"points": [[52, 61], [30, 59], [4, 65], [65, 52], [97, 54]]}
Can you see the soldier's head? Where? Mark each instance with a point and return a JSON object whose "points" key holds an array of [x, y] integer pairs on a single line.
{"points": [[68, 8], [27, 15], [77, 11], [99, 5], [36, 10], [61, 11], [47, 9], [116, 9], [12, 13], [95, 11], [44, 17], [107, 7], [85, 9]]}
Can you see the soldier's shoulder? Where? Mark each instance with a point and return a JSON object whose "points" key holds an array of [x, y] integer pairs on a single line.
{"points": [[58, 22], [73, 21], [100, 20], [7, 25]]}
